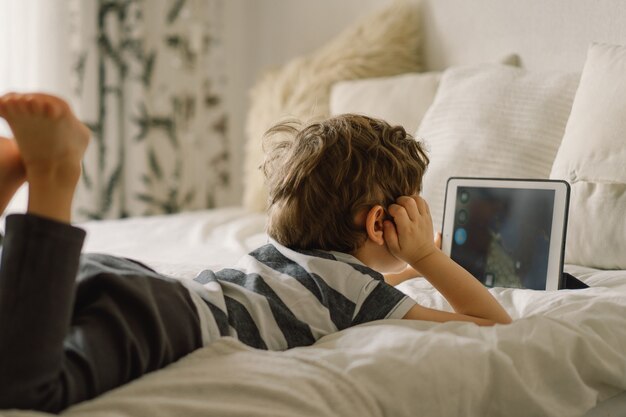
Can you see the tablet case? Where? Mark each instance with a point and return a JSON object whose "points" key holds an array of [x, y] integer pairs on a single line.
{"points": [[568, 281]]}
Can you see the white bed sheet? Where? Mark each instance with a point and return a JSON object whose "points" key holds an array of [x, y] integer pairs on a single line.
{"points": [[180, 245], [564, 353]]}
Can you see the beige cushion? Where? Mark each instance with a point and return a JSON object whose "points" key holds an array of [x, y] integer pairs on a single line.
{"points": [[592, 158], [381, 44], [400, 99], [493, 121]]}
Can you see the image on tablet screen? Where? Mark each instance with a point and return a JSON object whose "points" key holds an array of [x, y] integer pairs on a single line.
{"points": [[502, 235]]}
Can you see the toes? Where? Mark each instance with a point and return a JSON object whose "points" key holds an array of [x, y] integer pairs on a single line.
{"points": [[50, 110], [37, 104], [33, 105], [12, 104], [8, 96], [53, 106], [7, 104], [20, 104]]}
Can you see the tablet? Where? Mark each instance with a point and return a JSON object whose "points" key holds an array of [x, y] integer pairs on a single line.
{"points": [[505, 232]]}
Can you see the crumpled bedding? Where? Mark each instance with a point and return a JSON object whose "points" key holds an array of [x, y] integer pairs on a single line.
{"points": [[565, 351]]}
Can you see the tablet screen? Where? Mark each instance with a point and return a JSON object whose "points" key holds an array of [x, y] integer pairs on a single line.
{"points": [[502, 235]]}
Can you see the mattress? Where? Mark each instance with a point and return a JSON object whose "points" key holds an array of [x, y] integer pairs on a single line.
{"points": [[564, 353]]}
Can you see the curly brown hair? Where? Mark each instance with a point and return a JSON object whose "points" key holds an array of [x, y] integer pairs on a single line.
{"points": [[321, 175]]}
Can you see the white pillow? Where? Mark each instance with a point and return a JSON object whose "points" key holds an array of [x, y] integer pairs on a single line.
{"points": [[592, 158], [493, 121], [399, 100]]}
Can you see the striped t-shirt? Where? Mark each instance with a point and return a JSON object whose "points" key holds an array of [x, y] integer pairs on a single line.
{"points": [[278, 298]]}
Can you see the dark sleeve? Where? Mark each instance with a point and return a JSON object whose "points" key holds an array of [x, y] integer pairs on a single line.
{"points": [[37, 273], [383, 302]]}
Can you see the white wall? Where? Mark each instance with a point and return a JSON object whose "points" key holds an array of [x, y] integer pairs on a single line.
{"points": [[264, 34]]}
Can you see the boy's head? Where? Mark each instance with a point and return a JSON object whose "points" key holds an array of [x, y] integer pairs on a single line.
{"points": [[322, 176]]}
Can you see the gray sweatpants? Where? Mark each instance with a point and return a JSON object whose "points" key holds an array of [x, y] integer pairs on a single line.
{"points": [[73, 327]]}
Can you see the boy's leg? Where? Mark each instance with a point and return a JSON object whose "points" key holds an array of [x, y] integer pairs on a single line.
{"points": [[37, 277], [12, 172], [51, 143], [40, 254], [62, 343], [54, 350]]}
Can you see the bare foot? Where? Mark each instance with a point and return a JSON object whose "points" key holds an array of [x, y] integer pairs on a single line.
{"points": [[49, 136], [11, 165], [52, 142], [12, 171]]}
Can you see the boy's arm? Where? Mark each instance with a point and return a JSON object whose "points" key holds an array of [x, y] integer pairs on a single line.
{"points": [[411, 239], [399, 277], [409, 272], [418, 312], [468, 297]]}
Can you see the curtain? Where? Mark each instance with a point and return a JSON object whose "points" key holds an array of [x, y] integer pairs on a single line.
{"points": [[148, 78]]}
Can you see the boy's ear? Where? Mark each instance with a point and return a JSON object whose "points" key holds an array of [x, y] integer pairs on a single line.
{"points": [[374, 224]]}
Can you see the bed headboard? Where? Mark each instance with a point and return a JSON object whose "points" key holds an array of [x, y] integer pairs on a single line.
{"points": [[546, 34]]}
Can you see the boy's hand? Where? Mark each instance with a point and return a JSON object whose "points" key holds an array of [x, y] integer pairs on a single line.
{"points": [[411, 238]]}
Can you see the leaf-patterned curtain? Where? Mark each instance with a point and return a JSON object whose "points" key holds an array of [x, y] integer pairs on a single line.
{"points": [[149, 80]]}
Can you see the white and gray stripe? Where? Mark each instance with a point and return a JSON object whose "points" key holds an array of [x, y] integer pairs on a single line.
{"points": [[278, 298]]}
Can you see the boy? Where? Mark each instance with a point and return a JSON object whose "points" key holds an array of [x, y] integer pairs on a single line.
{"points": [[343, 205]]}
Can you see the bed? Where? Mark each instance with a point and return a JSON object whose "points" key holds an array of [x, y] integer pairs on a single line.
{"points": [[565, 352]]}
